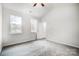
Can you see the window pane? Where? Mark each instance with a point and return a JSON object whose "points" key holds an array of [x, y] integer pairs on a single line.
{"points": [[34, 24], [15, 24]]}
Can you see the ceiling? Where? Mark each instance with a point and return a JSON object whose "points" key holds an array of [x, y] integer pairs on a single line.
{"points": [[38, 11]]}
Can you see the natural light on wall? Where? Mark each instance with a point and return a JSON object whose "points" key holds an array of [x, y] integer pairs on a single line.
{"points": [[0, 28]]}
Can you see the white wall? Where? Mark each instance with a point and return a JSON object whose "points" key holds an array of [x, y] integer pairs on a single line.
{"points": [[62, 24], [0, 27], [8, 38]]}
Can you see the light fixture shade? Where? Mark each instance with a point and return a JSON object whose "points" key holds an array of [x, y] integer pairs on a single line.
{"points": [[42, 4], [34, 4]]}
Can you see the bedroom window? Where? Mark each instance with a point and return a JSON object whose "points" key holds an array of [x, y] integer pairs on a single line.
{"points": [[34, 25], [15, 24]]}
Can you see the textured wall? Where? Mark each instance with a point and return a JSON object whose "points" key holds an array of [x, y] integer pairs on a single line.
{"points": [[8, 38], [0, 26], [62, 24]]}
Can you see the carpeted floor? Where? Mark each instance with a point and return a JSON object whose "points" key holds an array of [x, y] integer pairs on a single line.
{"points": [[40, 48]]}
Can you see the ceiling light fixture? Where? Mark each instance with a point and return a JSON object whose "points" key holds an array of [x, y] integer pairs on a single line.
{"points": [[36, 4]]}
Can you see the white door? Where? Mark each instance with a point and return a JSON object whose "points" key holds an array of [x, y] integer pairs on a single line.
{"points": [[41, 33]]}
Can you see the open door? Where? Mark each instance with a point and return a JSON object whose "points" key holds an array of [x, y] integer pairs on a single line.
{"points": [[41, 34]]}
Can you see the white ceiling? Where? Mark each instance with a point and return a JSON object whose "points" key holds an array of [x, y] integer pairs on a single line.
{"points": [[37, 11]]}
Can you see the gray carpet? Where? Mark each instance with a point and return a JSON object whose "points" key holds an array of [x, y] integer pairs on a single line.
{"points": [[40, 48]]}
